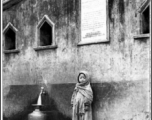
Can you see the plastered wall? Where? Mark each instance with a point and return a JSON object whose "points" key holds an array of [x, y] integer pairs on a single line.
{"points": [[119, 68]]}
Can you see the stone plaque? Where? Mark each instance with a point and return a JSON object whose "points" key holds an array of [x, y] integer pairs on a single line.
{"points": [[93, 21]]}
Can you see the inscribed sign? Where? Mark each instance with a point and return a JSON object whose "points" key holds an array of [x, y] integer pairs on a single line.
{"points": [[93, 20]]}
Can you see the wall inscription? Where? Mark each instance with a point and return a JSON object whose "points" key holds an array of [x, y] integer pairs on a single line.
{"points": [[93, 20]]}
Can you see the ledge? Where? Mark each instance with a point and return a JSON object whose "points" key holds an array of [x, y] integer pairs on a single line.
{"points": [[82, 43], [11, 51], [9, 3], [141, 36], [45, 47]]}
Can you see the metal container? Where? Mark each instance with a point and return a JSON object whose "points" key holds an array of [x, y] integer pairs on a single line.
{"points": [[37, 115]]}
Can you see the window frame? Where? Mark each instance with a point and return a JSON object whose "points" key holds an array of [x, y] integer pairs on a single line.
{"points": [[107, 40], [10, 26], [139, 11], [40, 24], [141, 19]]}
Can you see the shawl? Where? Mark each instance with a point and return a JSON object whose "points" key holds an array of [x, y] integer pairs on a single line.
{"points": [[82, 94]]}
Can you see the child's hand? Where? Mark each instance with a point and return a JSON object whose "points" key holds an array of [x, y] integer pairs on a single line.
{"points": [[76, 89]]}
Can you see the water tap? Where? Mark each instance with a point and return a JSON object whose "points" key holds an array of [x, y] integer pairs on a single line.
{"points": [[39, 101]]}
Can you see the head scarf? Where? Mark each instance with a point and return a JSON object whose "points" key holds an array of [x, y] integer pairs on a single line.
{"points": [[85, 90], [87, 81]]}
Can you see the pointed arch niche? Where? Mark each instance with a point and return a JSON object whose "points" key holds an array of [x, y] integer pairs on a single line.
{"points": [[143, 13], [45, 34], [10, 42]]}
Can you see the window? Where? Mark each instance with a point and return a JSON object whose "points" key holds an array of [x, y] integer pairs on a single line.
{"points": [[10, 37], [145, 21], [45, 34], [144, 11]]}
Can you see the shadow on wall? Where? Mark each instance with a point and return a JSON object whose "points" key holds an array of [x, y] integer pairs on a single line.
{"points": [[51, 112], [21, 99], [109, 99]]}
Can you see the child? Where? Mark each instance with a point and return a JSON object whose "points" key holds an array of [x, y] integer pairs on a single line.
{"points": [[82, 98]]}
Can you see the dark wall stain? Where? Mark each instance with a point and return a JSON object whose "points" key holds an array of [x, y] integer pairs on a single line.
{"points": [[56, 8], [121, 5], [127, 3], [110, 8], [8, 57], [44, 6], [33, 19], [121, 9], [33, 2], [122, 36], [68, 7], [77, 15]]}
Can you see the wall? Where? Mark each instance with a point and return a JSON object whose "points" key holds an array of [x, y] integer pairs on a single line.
{"points": [[119, 68]]}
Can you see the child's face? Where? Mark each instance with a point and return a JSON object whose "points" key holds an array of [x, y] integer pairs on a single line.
{"points": [[82, 78]]}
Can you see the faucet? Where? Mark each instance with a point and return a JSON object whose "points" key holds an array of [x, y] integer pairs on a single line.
{"points": [[39, 101]]}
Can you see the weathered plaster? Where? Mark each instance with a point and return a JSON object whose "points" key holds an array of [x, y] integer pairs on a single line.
{"points": [[119, 63]]}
